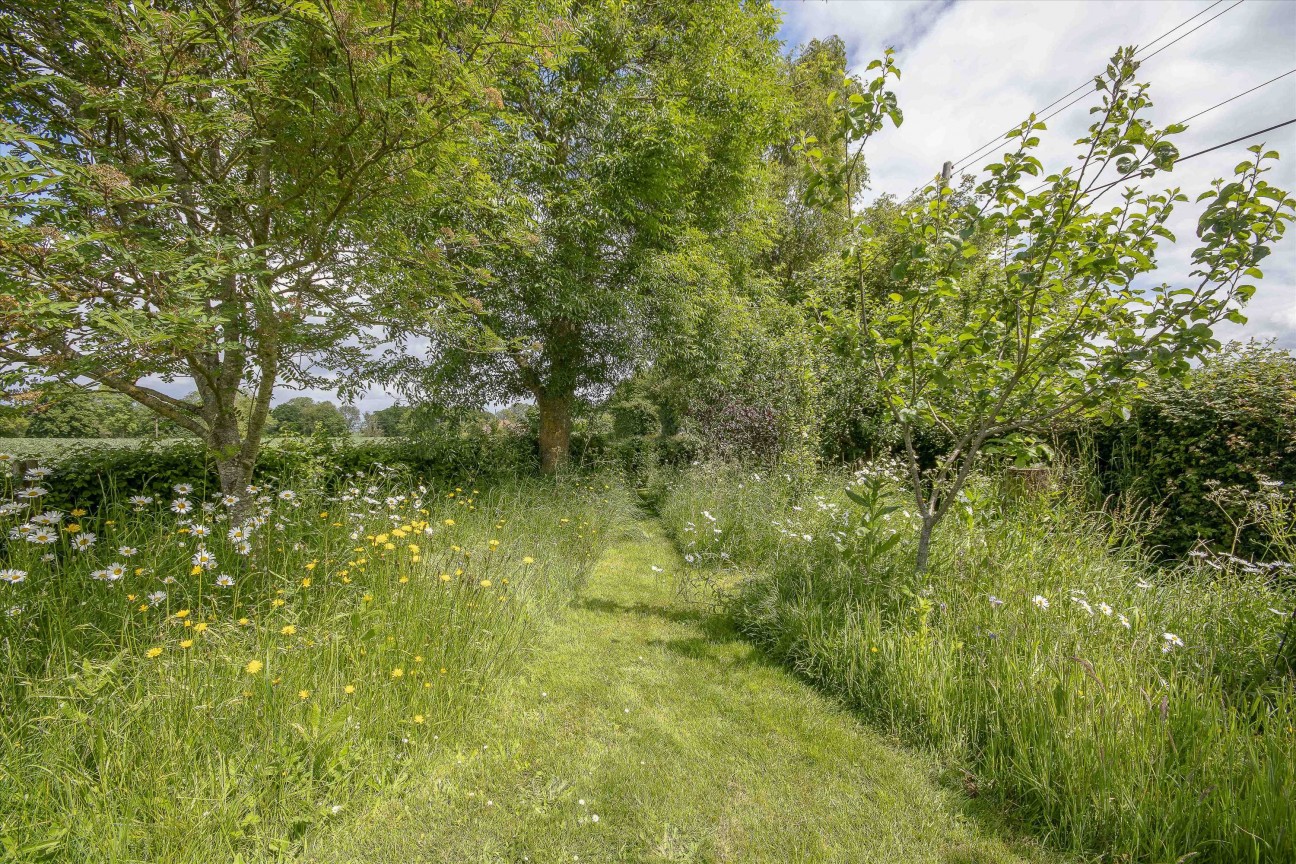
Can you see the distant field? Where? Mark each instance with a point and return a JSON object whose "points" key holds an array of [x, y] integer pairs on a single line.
{"points": [[27, 448], [30, 447]]}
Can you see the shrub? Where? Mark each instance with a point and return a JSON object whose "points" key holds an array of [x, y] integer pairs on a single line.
{"points": [[1231, 423], [635, 417], [89, 475]]}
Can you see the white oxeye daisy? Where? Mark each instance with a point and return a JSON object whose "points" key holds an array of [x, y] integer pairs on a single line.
{"points": [[225, 581], [33, 492], [36, 473], [1171, 642], [49, 517], [1040, 601], [138, 501], [6, 458], [204, 559], [156, 598], [48, 556], [127, 551], [200, 530], [12, 576], [1083, 604], [1124, 621], [181, 506], [237, 533], [243, 547], [84, 541], [230, 500], [208, 507], [115, 571], [287, 495], [253, 490], [101, 575], [1105, 609], [182, 489]]}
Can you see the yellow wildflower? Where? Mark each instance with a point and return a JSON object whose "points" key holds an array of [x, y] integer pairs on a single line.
{"points": [[183, 613], [288, 630], [187, 643], [154, 652], [253, 667], [398, 672]]}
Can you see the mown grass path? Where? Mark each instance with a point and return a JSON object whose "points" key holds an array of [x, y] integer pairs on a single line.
{"points": [[643, 731]]}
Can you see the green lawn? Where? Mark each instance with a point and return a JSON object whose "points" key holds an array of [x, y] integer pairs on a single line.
{"points": [[645, 731]]}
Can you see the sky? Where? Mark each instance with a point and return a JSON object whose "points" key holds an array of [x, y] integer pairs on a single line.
{"points": [[973, 69]]}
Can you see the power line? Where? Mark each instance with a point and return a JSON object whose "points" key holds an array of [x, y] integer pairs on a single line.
{"points": [[1203, 112], [1238, 96], [1201, 152], [1089, 82]]}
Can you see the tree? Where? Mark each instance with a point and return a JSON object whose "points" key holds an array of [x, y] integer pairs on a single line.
{"points": [[185, 187], [651, 127], [387, 422], [1013, 309], [63, 411], [304, 416]]}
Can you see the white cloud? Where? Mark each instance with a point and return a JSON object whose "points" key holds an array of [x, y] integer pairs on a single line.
{"points": [[973, 70]]}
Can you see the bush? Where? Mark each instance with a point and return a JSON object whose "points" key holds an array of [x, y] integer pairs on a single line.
{"points": [[635, 417], [1231, 423], [89, 475], [1118, 710]]}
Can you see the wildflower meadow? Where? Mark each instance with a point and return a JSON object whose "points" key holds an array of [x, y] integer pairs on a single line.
{"points": [[199, 675]]}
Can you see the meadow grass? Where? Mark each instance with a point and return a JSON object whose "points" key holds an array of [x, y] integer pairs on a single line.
{"points": [[1116, 708], [643, 729], [169, 696]]}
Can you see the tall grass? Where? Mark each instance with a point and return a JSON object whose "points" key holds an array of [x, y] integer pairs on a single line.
{"points": [[169, 715], [1011, 656]]}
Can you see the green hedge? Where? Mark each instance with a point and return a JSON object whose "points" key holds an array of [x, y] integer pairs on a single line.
{"points": [[85, 476], [1231, 422]]}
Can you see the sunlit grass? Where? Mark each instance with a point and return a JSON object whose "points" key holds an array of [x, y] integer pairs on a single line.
{"points": [[1013, 659], [172, 696]]}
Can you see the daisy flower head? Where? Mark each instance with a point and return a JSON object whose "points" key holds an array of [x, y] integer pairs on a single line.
{"points": [[181, 506], [225, 580], [41, 536], [140, 501], [157, 598], [33, 492], [37, 473], [1170, 642], [183, 489], [1105, 609], [287, 495], [229, 500], [204, 559], [12, 576], [127, 551], [115, 571], [1040, 601], [200, 531], [49, 517], [83, 542]]}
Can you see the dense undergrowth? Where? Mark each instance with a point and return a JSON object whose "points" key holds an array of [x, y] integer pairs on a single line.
{"points": [[191, 678], [1117, 708]]}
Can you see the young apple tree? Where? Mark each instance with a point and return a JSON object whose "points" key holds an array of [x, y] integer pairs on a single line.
{"points": [[1010, 309]]}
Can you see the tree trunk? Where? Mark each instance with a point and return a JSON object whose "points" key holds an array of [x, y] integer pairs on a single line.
{"points": [[924, 544], [232, 466], [555, 431]]}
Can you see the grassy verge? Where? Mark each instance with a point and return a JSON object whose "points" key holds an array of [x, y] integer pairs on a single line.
{"points": [[646, 731], [1115, 708], [171, 694]]}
